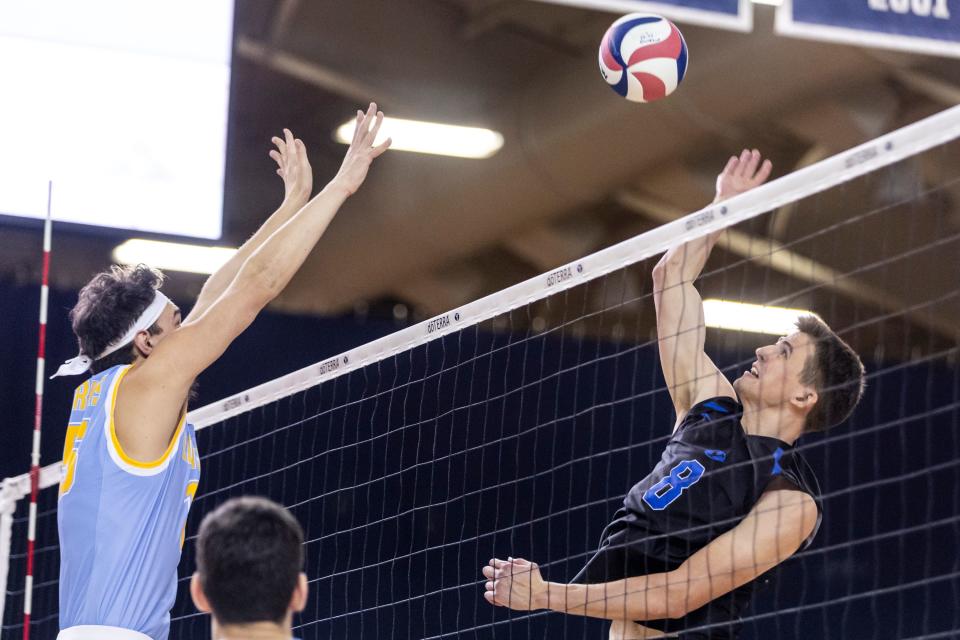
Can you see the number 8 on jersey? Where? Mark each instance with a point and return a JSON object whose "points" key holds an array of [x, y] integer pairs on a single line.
{"points": [[681, 478]]}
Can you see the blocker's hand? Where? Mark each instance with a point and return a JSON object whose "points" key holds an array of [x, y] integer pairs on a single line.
{"points": [[742, 174], [361, 153], [294, 167], [515, 583]]}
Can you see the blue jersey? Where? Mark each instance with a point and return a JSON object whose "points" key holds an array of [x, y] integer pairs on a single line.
{"points": [[121, 521]]}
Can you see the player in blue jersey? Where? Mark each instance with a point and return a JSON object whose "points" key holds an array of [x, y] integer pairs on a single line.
{"points": [[131, 462], [730, 498]]}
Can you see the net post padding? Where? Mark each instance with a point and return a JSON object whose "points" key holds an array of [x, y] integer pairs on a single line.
{"points": [[8, 505], [843, 167], [13, 490]]}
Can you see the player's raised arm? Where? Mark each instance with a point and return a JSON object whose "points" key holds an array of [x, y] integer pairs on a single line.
{"points": [[775, 528], [155, 391], [294, 167], [689, 373]]}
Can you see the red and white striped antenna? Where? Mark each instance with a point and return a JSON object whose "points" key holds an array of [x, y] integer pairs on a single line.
{"points": [[38, 410]]}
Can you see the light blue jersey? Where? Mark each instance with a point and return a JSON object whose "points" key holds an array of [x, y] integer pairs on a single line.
{"points": [[121, 521]]}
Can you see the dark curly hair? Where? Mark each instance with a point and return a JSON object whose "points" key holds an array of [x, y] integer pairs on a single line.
{"points": [[835, 371], [108, 306]]}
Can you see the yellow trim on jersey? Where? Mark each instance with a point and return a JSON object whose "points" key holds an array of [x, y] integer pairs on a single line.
{"points": [[71, 446], [116, 442]]}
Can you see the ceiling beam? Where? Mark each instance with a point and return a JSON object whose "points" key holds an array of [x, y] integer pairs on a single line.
{"points": [[315, 74], [934, 88], [853, 116], [551, 245], [434, 293], [488, 18], [282, 20], [773, 255]]}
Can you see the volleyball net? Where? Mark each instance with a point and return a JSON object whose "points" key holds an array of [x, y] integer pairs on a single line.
{"points": [[516, 424]]}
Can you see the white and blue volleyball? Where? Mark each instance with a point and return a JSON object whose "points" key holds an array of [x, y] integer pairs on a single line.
{"points": [[643, 57]]}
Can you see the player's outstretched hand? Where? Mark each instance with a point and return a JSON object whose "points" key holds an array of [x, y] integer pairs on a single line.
{"points": [[361, 153], [294, 167], [742, 174], [515, 583]]}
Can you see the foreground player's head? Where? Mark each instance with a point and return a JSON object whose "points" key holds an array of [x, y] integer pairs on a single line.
{"points": [[111, 305], [811, 373], [249, 559]]}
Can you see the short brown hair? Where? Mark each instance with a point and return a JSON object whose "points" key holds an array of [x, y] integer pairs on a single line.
{"points": [[835, 371], [108, 306]]}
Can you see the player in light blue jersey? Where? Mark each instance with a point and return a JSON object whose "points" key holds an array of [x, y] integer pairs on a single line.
{"points": [[131, 462]]}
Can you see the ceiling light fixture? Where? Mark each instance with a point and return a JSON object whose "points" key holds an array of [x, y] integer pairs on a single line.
{"points": [[755, 318], [772, 3], [431, 137], [190, 258]]}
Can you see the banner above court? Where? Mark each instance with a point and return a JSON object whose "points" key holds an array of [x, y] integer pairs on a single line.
{"points": [[736, 15], [919, 26]]}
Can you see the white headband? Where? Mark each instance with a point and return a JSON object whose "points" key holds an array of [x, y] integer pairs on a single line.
{"points": [[81, 363]]}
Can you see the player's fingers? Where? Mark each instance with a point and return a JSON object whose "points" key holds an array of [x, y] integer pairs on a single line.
{"points": [[379, 149], [356, 126], [752, 163], [299, 152], [731, 166], [279, 143], [368, 117], [489, 597], [764, 172], [302, 152], [487, 571], [273, 153], [375, 129], [500, 591], [362, 124], [744, 159], [289, 146]]}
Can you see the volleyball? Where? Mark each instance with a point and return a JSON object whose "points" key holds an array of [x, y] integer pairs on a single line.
{"points": [[643, 57]]}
